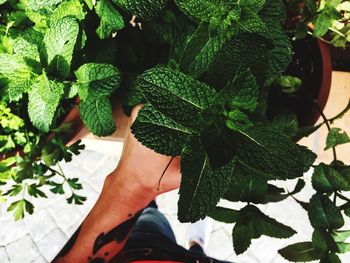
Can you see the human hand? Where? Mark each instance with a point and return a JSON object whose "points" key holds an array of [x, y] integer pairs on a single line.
{"points": [[146, 171]]}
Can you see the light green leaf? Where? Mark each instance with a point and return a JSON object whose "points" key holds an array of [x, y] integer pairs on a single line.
{"points": [[36, 5], [96, 113], [159, 133], [59, 42], [221, 214], [111, 20], [28, 44], [344, 247], [97, 79], [144, 9], [265, 150], [19, 208], [336, 137], [323, 214], [43, 101], [325, 20], [300, 252], [201, 186], [175, 94], [17, 74], [72, 8], [3, 2]]}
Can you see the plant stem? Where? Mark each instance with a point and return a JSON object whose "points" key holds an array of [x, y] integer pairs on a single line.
{"points": [[343, 197], [166, 168]]}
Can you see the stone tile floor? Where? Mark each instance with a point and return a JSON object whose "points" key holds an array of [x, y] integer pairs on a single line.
{"points": [[39, 237]]}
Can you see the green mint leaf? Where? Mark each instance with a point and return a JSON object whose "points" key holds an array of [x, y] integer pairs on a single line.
{"points": [[40, 20], [241, 237], [36, 5], [59, 43], [3, 1], [280, 56], [159, 133], [246, 190], [242, 92], [27, 44], [201, 186], [265, 150], [175, 94], [72, 8], [96, 113], [43, 101], [144, 9], [253, 5], [300, 252], [111, 20], [219, 143], [336, 137], [17, 74], [325, 20], [200, 50], [97, 80], [251, 22], [343, 247], [89, 3], [274, 10], [323, 241], [330, 258], [250, 217], [221, 214], [323, 214], [217, 12], [326, 179]]}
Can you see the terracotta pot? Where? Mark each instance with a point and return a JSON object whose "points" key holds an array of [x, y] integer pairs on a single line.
{"points": [[312, 64]]}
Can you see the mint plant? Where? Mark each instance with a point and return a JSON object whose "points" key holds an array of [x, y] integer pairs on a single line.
{"points": [[330, 20], [203, 71]]}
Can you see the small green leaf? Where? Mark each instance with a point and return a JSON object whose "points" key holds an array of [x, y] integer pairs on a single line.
{"points": [[201, 186], [59, 42], [250, 217], [323, 241], [238, 121], [97, 80], [300, 252], [43, 101], [111, 20], [325, 20], [323, 214], [221, 214], [74, 183], [96, 113], [336, 137], [159, 133], [56, 188], [76, 199], [17, 73], [72, 8], [19, 207], [34, 191]]}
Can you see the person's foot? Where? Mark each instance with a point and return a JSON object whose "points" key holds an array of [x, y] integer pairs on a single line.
{"points": [[199, 233]]}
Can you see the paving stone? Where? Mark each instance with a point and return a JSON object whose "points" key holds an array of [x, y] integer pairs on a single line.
{"points": [[220, 245], [90, 160], [51, 244], [4, 258], [39, 259], [40, 224], [65, 215], [91, 194], [22, 250], [11, 231]]}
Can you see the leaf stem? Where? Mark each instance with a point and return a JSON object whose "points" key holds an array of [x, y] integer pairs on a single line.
{"points": [[166, 168]]}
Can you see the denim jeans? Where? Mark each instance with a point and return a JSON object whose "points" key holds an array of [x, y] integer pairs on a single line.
{"points": [[153, 239]]}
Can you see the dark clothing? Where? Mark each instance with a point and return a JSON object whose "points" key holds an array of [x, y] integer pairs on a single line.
{"points": [[153, 239]]}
